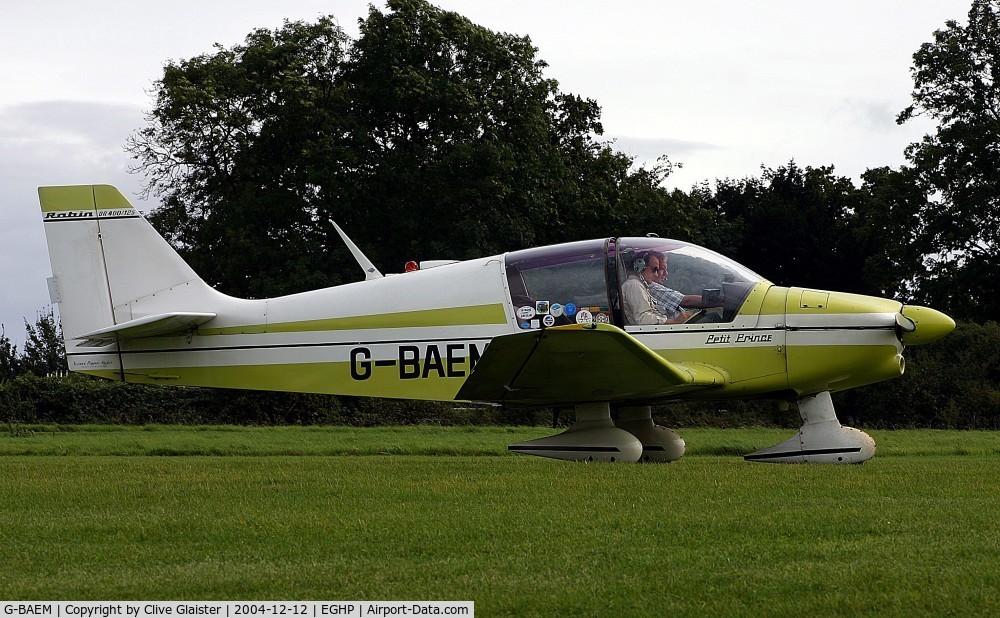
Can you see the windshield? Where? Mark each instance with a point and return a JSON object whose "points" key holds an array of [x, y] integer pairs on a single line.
{"points": [[685, 282]]}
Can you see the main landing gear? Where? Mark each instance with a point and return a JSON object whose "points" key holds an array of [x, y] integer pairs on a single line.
{"points": [[595, 437]]}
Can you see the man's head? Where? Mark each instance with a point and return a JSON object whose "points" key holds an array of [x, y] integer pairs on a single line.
{"points": [[660, 274], [651, 266]]}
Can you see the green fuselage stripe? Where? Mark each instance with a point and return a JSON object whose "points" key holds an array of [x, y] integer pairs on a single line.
{"points": [[453, 316]]}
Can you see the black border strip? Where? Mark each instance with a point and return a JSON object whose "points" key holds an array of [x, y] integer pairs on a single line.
{"points": [[60, 219], [566, 449], [280, 346], [817, 451]]}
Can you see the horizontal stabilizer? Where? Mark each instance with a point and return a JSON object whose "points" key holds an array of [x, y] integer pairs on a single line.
{"points": [[579, 363], [174, 323]]}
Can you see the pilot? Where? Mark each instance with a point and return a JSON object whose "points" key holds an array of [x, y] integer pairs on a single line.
{"points": [[667, 301], [638, 303]]}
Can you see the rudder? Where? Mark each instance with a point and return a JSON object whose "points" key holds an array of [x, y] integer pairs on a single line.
{"points": [[109, 265]]}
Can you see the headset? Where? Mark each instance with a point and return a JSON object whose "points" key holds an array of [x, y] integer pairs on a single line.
{"points": [[640, 261]]}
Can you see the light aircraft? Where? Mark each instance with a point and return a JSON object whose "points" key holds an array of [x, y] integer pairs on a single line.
{"points": [[537, 327]]}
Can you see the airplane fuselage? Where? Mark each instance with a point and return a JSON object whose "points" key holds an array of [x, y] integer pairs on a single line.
{"points": [[419, 335]]}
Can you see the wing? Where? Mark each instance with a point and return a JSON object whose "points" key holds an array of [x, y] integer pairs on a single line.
{"points": [[576, 364]]}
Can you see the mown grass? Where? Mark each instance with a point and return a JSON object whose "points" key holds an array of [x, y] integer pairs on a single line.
{"points": [[228, 440], [914, 531]]}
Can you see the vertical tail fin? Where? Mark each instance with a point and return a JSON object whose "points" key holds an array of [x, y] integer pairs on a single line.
{"points": [[110, 267]]}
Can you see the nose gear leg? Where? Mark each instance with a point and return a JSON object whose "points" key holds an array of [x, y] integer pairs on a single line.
{"points": [[821, 439]]}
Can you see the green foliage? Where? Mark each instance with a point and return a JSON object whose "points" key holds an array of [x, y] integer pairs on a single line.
{"points": [[230, 145], [454, 123], [798, 226], [952, 383], [44, 352], [955, 83], [890, 233], [427, 137], [10, 363], [809, 227], [30, 399], [726, 414]]}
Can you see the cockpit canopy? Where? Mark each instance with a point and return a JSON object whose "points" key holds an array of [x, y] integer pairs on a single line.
{"points": [[581, 282]]}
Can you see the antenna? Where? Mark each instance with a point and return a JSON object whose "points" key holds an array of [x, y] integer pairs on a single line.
{"points": [[370, 271]]}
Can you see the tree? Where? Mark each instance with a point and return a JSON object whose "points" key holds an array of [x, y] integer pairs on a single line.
{"points": [[796, 226], [427, 137], [231, 145], [890, 233], [44, 352], [452, 129], [956, 79], [10, 365]]}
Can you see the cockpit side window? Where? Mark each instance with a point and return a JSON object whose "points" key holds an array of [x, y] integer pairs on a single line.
{"points": [[561, 284]]}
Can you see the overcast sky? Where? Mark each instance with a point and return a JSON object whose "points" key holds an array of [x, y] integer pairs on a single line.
{"points": [[721, 87]]}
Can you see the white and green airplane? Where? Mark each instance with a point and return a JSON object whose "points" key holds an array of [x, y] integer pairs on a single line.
{"points": [[538, 327]]}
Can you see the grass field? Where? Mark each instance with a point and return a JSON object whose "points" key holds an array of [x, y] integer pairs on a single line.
{"points": [[446, 513]]}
